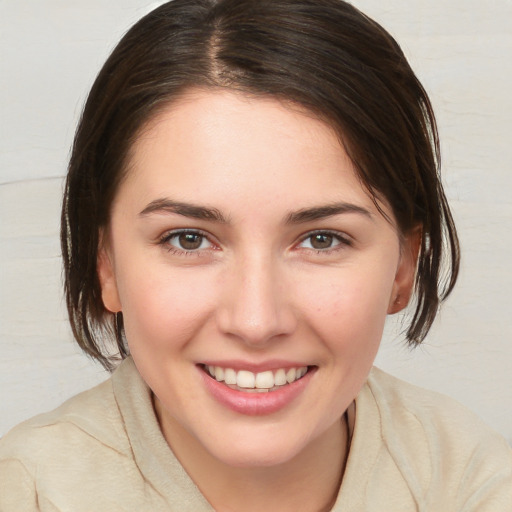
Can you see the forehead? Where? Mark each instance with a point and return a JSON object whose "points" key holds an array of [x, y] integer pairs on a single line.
{"points": [[226, 147]]}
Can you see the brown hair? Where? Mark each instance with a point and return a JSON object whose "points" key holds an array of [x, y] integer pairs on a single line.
{"points": [[324, 55]]}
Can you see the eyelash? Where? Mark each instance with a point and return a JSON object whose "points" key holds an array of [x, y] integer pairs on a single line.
{"points": [[343, 241]]}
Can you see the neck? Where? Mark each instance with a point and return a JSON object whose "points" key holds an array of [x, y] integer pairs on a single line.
{"points": [[309, 481]]}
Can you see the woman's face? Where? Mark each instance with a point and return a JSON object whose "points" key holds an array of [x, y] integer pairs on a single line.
{"points": [[243, 245]]}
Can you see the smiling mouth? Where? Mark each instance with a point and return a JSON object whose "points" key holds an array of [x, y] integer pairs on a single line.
{"points": [[262, 382]]}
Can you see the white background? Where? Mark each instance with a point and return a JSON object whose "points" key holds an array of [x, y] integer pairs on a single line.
{"points": [[51, 51]]}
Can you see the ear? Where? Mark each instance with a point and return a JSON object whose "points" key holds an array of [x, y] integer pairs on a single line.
{"points": [[107, 277], [403, 285]]}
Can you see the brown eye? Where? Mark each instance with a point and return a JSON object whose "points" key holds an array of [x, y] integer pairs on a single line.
{"points": [[321, 241], [190, 241], [186, 241], [324, 241]]}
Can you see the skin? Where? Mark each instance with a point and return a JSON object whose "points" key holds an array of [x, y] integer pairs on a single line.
{"points": [[256, 290]]}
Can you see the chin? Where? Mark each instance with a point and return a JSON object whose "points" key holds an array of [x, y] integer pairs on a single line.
{"points": [[264, 450], [248, 459]]}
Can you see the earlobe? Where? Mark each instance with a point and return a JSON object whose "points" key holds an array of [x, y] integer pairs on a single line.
{"points": [[403, 285], [106, 275]]}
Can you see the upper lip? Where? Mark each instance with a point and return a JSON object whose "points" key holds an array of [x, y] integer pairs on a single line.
{"points": [[269, 365]]}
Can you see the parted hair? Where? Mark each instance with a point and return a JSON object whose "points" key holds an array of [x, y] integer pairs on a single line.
{"points": [[323, 55]]}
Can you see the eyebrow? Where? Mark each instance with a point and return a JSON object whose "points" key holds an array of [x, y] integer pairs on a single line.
{"points": [[184, 209], [162, 206], [322, 212]]}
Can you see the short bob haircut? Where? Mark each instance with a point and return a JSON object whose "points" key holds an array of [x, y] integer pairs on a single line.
{"points": [[322, 55]]}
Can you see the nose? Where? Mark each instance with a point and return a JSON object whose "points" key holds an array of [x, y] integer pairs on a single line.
{"points": [[255, 304]]}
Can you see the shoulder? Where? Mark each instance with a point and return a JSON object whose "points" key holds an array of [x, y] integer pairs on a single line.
{"points": [[440, 417], [440, 445], [92, 414], [81, 457], [50, 458]]}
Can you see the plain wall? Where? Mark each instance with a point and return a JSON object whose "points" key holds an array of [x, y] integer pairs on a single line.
{"points": [[51, 51]]}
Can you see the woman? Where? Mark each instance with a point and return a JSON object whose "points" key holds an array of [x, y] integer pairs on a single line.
{"points": [[253, 188]]}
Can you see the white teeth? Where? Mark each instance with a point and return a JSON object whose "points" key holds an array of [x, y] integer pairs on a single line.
{"points": [[229, 376], [219, 373], [291, 375], [257, 382], [245, 379], [265, 380], [255, 390], [280, 378]]}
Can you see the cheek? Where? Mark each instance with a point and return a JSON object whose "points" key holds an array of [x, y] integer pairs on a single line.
{"points": [[349, 307], [163, 308]]}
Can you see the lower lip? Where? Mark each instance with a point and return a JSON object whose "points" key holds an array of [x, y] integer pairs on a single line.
{"points": [[255, 404]]}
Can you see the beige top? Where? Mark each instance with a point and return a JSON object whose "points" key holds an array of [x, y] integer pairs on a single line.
{"points": [[412, 450]]}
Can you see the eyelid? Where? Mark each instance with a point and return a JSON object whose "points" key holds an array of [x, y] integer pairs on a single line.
{"points": [[173, 232]]}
